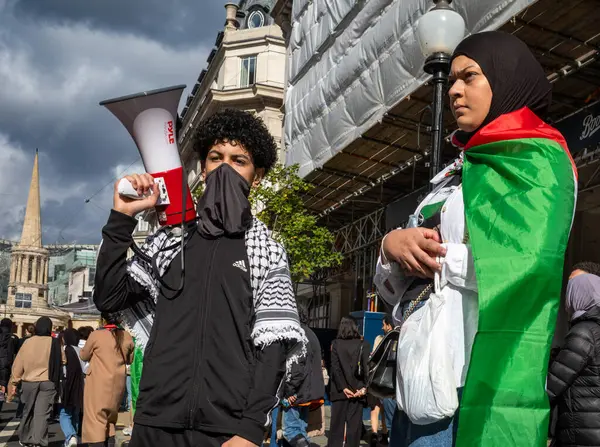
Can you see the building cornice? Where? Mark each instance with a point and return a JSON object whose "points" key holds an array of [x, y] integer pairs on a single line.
{"points": [[282, 13], [28, 285], [35, 311], [232, 40], [50, 247], [259, 94], [255, 91], [37, 251], [253, 41]]}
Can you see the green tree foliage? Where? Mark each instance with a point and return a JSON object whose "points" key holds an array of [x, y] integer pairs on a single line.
{"points": [[278, 201], [197, 192]]}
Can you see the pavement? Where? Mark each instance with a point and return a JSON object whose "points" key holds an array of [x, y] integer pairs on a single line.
{"points": [[9, 429], [320, 441]]}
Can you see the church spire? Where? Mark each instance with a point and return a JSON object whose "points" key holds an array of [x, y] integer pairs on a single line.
{"points": [[32, 226]]}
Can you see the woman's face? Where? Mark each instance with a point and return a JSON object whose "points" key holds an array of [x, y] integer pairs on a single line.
{"points": [[470, 94]]}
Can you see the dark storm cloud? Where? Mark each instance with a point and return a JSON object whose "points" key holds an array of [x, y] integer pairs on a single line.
{"points": [[175, 22], [53, 73]]}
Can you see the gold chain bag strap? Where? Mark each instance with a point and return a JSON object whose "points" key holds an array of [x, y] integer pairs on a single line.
{"points": [[413, 304]]}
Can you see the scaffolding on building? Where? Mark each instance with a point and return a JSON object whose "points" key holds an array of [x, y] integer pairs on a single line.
{"points": [[355, 184]]}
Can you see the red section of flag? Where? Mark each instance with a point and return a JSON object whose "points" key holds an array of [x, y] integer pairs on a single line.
{"points": [[518, 125]]}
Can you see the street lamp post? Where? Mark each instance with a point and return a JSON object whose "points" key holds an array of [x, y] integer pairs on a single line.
{"points": [[439, 32]]}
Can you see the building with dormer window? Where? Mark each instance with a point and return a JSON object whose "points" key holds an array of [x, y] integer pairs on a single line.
{"points": [[245, 70]]}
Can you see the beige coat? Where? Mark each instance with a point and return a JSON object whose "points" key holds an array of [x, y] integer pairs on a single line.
{"points": [[104, 384], [32, 361]]}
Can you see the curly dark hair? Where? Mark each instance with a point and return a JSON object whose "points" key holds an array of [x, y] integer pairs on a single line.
{"points": [[239, 127], [588, 267]]}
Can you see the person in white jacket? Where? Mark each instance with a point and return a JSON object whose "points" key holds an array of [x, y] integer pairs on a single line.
{"points": [[404, 278], [520, 189]]}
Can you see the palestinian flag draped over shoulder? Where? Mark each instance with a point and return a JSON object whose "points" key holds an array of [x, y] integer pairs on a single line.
{"points": [[519, 184]]}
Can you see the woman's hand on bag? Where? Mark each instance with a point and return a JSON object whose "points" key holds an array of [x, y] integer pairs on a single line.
{"points": [[415, 250]]}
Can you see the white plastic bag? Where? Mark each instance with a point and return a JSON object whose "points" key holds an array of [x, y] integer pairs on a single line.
{"points": [[426, 383]]}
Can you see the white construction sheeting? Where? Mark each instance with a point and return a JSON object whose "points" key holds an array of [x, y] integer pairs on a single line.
{"points": [[353, 60]]}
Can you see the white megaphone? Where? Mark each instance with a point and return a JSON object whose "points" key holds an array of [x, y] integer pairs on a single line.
{"points": [[150, 118]]}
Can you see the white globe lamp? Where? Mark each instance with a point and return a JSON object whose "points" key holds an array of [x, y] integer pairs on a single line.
{"points": [[439, 31]]}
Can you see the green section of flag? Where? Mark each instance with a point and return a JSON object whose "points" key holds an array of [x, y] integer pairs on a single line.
{"points": [[429, 211], [519, 200], [136, 375]]}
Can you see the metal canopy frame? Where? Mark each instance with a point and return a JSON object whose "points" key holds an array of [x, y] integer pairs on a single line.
{"points": [[391, 159]]}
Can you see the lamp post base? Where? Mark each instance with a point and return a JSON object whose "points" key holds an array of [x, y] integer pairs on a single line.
{"points": [[437, 65]]}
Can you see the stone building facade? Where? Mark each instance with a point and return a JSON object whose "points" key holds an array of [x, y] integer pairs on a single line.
{"points": [[28, 281], [245, 70]]}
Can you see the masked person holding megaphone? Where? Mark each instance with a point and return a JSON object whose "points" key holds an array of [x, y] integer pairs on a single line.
{"points": [[219, 316]]}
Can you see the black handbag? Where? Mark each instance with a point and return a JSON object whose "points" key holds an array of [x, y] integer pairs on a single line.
{"points": [[381, 382]]}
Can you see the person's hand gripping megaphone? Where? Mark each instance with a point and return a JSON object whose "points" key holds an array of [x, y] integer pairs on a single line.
{"points": [[145, 187]]}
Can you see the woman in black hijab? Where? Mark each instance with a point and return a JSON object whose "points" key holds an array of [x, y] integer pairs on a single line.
{"points": [[43, 328], [72, 389], [38, 366], [8, 350], [499, 96], [495, 73]]}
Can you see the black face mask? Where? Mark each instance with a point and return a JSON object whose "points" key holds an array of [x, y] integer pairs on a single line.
{"points": [[224, 208]]}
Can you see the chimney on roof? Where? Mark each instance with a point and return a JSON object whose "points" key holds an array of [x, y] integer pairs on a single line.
{"points": [[231, 23]]}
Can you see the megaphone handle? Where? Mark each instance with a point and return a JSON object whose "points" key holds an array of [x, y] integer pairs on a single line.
{"points": [[127, 190]]}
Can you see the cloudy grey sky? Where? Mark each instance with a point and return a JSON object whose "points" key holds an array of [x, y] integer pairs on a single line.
{"points": [[58, 59]]}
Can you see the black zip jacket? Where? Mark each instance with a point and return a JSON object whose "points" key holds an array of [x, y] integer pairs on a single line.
{"points": [[201, 369], [345, 356], [574, 383], [306, 379]]}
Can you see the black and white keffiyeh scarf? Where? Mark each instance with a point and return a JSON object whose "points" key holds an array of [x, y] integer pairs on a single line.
{"points": [[276, 314]]}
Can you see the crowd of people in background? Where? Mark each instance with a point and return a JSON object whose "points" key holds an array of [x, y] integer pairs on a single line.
{"points": [[81, 376], [77, 377], [344, 386]]}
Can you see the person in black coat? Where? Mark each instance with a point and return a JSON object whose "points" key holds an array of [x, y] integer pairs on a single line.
{"points": [[72, 388], [574, 376], [305, 389], [349, 359], [8, 350], [29, 332]]}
